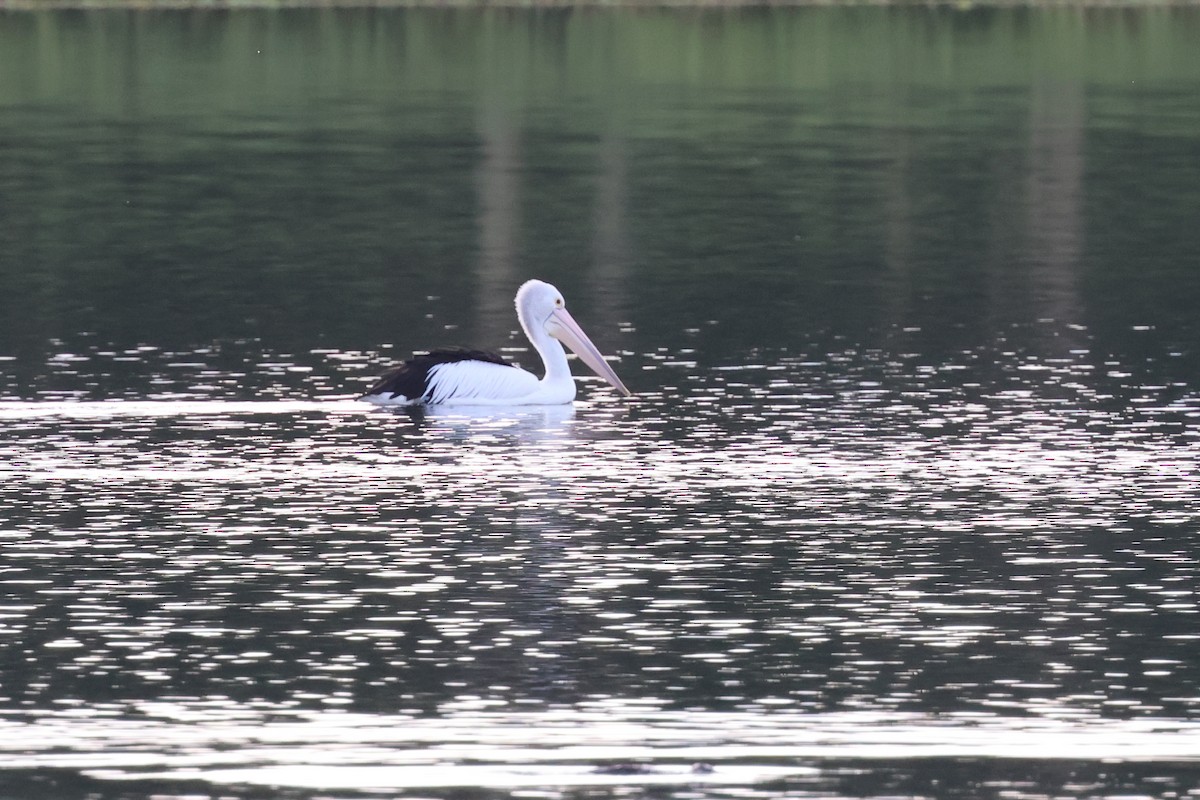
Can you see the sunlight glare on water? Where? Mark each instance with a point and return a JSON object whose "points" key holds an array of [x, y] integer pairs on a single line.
{"points": [[819, 544], [603, 744], [853, 507]]}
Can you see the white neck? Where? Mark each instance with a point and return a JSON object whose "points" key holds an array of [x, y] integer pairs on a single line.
{"points": [[554, 357]]}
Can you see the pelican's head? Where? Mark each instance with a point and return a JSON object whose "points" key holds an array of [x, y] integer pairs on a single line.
{"points": [[541, 309]]}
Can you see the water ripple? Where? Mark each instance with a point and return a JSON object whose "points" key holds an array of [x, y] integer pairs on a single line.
{"points": [[796, 534], [604, 745]]}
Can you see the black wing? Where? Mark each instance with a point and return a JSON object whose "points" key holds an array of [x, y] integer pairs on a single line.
{"points": [[411, 379]]}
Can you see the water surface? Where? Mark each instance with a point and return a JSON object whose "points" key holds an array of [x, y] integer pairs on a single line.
{"points": [[904, 503]]}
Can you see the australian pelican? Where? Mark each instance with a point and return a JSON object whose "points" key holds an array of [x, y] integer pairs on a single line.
{"points": [[472, 377]]}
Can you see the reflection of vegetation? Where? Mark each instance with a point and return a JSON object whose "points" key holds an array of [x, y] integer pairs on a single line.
{"points": [[239, 61], [204, 173]]}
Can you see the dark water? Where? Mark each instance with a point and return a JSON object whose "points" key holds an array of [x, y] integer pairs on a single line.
{"points": [[905, 503]]}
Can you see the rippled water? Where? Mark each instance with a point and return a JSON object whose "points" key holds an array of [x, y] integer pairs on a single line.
{"points": [[762, 566], [904, 503]]}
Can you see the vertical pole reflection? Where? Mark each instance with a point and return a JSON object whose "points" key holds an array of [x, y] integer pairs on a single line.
{"points": [[898, 226], [1054, 197], [610, 243], [499, 223]]}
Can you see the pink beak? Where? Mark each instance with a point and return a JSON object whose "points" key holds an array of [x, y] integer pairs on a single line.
{"points": [[564, 328]]}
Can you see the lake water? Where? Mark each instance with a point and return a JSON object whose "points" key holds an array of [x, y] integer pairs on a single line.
{"points": [[904, 504]]}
